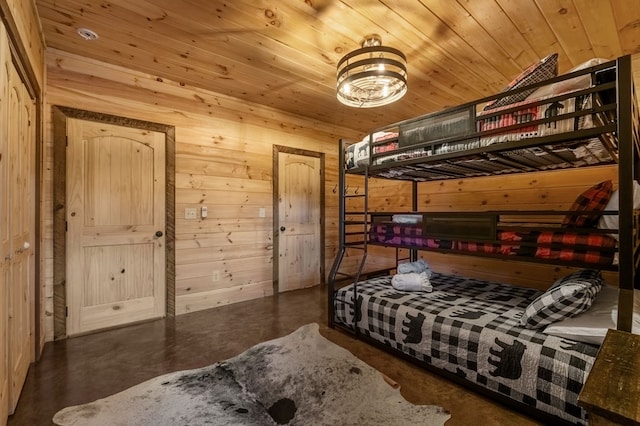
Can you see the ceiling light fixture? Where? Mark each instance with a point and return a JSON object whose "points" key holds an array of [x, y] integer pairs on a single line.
{"points": [[372, 76], [87, 34]]}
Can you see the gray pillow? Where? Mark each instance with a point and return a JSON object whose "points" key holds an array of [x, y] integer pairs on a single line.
{"points": [[567, 297]]}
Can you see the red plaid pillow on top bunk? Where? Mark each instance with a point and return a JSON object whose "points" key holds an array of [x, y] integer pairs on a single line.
{"points": [[593, 199]]}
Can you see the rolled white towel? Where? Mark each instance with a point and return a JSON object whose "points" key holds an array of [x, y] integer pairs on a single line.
{"points": [[406, 218], [412, 282], [419, 266]]}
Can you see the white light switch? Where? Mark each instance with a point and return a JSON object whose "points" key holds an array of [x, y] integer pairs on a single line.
{"points": [[262, 212], [203, 212]]}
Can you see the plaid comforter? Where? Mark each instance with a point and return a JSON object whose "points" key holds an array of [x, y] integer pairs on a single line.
{"points": [[470, 328], [598, 249]]}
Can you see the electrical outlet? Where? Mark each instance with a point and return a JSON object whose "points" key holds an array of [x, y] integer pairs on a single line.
{"points": [[190, 213], [215, 276]]}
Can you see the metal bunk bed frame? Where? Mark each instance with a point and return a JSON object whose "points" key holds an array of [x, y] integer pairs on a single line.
{"points": [[627, 129]]}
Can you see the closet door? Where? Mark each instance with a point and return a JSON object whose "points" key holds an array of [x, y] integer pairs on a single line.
{"points": [[4, 232], [22, 229], [17, 230]]}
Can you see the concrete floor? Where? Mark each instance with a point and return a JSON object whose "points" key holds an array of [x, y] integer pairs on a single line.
{"points": [[86, 368]]}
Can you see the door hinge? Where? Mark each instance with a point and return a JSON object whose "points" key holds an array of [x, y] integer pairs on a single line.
{"points": [[66, 141], [66, 226], [66, 311]]}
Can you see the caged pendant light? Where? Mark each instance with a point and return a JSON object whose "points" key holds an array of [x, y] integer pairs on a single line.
{"points": [[372, 76]]}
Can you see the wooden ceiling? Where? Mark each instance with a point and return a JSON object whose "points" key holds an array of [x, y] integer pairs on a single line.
{"points": [[283, 53]]}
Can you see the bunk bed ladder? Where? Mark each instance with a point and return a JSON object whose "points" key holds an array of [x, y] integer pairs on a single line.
{"points": [[349, 239]]}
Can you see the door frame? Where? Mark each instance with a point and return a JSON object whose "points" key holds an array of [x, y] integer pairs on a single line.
{"points": [[60, 116], [277, 149]]}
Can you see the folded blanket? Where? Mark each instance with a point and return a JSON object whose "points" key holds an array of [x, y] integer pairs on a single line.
{"points": [[417, 267], [412, 282]]}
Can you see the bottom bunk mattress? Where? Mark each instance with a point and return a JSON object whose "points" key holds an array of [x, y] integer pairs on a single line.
{"points": [[567, 246], [470, 328]]}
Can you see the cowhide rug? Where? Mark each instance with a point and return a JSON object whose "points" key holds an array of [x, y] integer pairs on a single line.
{"points": [[299, 379]]}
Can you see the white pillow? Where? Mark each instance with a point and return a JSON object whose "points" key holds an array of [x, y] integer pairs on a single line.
{"points": [[635, 322], [610, 221], [564, 86], [591, 326]]}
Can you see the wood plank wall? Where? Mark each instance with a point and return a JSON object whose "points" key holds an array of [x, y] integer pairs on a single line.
{"points": [[223, 156], [224, 151]]}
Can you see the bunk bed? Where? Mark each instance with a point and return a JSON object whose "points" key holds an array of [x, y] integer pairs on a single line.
{"points": [[485, 335]]}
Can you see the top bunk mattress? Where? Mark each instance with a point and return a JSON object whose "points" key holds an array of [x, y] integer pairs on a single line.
{"points": [[576, 117]]}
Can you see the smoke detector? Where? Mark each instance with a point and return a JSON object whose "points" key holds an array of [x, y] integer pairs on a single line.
{"points": [[87, 34]]}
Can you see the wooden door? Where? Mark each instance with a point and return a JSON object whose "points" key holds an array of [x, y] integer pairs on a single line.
{"points": [[299, 220], [5, 246], [115, 225], [21, 231]]}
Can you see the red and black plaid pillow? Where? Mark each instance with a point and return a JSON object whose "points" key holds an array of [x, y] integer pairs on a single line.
{"points": [[593, 199]]}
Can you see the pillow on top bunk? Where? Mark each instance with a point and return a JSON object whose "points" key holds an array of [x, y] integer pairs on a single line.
{"points": [[564, 86], [566, 298], [591, 326], [545, 69], [594, 198]]}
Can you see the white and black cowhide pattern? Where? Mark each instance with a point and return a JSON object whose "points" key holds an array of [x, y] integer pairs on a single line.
{"points": [[299, 379]]}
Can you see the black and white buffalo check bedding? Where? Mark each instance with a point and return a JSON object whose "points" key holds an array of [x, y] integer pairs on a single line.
{"points": [[470, 328]]}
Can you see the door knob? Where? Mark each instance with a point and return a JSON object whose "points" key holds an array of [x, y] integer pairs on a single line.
{"points": [[158, 234], [282, 228]]}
